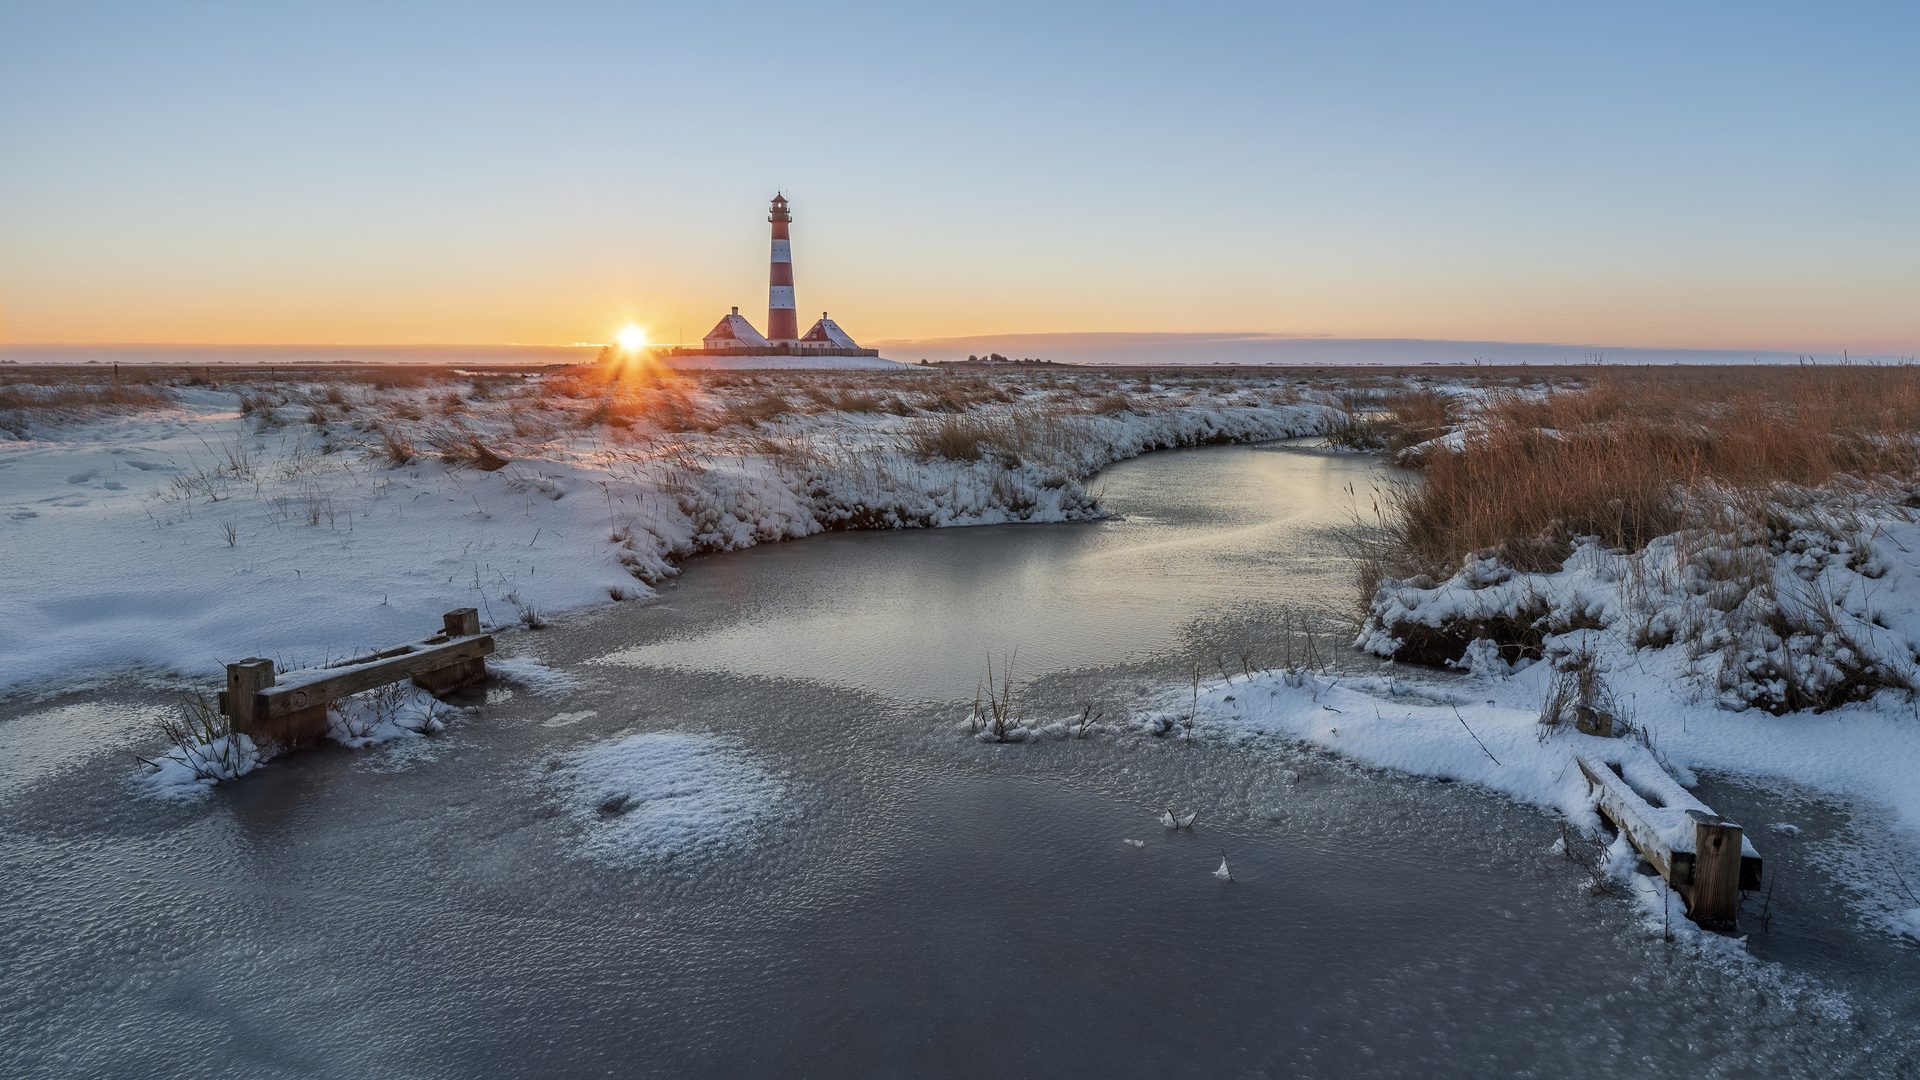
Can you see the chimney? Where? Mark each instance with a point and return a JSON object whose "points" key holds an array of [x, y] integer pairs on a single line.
{"points": [[736, 311]]}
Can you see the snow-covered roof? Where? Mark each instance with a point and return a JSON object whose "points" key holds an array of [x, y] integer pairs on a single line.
{"points": [[828, 330], [735, 327]]}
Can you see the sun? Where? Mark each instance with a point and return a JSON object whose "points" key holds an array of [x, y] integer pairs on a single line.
{"points": [[632, 338]]}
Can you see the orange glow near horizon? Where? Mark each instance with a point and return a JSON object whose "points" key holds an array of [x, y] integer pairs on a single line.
{"points": [[901, 307]]}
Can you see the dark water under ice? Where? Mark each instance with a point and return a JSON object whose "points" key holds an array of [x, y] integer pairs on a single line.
{"points": [[921, 904]]}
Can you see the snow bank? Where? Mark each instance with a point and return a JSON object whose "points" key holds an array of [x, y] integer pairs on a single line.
{"points": [[1488, 732], [194, 534], [1816, 614], [658, 796]]}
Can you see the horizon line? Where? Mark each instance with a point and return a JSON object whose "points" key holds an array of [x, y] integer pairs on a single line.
{"points": [[1068, 338]]}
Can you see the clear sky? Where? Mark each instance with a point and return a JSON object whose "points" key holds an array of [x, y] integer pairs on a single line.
{"points": [[1741, 175]]}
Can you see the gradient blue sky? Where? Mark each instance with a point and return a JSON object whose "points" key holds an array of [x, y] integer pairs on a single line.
{"points": [[1631, 174]]}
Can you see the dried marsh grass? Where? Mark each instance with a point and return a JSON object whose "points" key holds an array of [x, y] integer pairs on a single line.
{"points": [[1395, 420], [1048, 436], [24, 403], [460, 446], [1634, 455]]}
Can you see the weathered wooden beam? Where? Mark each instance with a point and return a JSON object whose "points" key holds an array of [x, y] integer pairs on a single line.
{"points": [[292, 707], [460, 622], [300, 690], [1663, 836], [1632, 816]]}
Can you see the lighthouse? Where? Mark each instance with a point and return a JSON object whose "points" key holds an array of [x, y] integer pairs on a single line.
{"points": [[782, 323], [824, 345]]}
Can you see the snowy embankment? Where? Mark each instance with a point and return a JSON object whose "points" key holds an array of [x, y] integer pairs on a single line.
{"points": [[1710, 651], [304, 523], [1488, 732]]}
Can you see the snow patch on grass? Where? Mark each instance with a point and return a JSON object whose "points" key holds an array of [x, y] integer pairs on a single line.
{"points": [[192, 768], [395, 711], [658, 796]]}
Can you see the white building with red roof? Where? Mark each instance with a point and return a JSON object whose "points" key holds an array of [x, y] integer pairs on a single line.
{"points": [[826, 334], [734, 332]]}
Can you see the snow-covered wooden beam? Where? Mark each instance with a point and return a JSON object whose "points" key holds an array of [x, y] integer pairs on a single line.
{"points": [[293, 707], [1706, 858]]}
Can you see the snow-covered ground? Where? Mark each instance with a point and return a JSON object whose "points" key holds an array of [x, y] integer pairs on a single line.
{"points": [[314, 520]]}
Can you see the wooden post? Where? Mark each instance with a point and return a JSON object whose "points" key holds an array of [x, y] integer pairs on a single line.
{"points": [[1715, 896], [1591, 721], [245, 680], [462, 622]]}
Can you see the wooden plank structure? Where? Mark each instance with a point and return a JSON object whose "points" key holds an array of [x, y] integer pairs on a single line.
{"points": [[1706, 858], [292, 707]]}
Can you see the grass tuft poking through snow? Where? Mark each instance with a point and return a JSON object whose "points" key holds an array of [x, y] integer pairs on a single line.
{"points": [[394, 711], [203, 751]]}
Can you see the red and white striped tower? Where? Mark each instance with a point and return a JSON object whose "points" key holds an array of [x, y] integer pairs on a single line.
{"points": [[782, 323]]}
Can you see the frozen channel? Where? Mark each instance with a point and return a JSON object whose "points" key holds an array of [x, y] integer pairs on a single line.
{"points": [[745, 835]]}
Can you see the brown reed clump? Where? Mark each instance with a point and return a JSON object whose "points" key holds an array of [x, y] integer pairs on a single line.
{"points": [[757, 410], [1624, 457], [954, 437], [395, 445], [458, 445], [1395, 421]]}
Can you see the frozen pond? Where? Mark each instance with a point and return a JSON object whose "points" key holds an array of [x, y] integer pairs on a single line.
{"points": [[752, 841]]}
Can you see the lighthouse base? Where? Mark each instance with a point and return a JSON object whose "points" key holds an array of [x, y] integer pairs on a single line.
{"points": [[778, 359]]}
